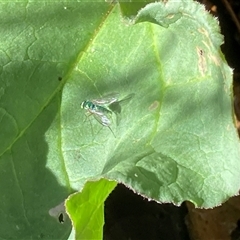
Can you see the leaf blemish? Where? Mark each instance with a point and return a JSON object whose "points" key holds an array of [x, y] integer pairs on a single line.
{"points": [[170, 16], [215, 60], [204, 32], [202, 66], [154, 106]]}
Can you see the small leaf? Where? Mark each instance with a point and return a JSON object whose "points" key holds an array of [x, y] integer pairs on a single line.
{"points": [[86, 209]]}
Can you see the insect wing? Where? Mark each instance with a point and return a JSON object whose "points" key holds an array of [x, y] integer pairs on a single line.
{"points": [[108, 99], [105, 120], [128, 97], [116, 107], [101, 118]]}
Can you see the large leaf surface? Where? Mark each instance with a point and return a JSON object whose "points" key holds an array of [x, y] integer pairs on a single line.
{"points": [[40, 45], [175, 140]]}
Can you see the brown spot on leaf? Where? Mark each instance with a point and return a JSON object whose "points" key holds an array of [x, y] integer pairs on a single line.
{"points": [[202, 65], [154, 105]]}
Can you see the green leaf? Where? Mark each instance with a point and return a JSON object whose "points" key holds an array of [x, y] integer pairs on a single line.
{"points": [[175, 139], [86, 209], [40, 44]]}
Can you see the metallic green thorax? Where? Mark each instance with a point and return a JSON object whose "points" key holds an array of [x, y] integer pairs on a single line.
{"points": [[94, 108], [101, 109]]}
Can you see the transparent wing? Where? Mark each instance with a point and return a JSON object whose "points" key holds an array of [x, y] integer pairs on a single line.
{"points": [[128, 97], [104, 120], [108, 99], [101, 118], [116, 107]]}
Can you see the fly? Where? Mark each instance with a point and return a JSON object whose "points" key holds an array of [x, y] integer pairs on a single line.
{"points": [[102, 108]]}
